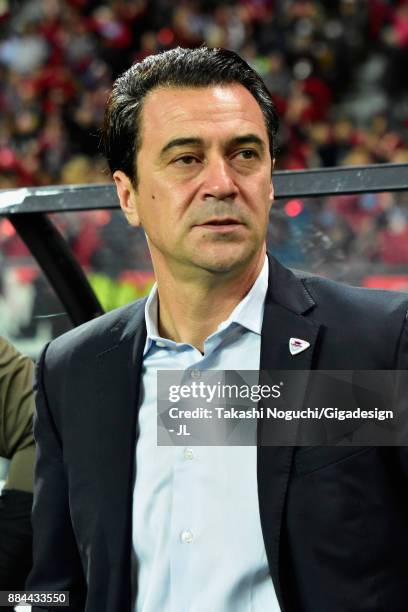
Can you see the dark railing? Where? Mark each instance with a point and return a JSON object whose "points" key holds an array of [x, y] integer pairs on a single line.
{"points": [[27, 210], [288, 184]]}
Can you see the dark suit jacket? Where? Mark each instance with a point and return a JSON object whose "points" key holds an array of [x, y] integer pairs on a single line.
{"points": [[334, 520]]}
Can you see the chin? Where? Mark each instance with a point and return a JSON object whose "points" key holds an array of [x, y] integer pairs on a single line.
{"points": [[223, 262]]}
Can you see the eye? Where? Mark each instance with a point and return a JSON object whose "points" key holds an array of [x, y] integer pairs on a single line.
{"points": [[186, 160], [247, 154]]}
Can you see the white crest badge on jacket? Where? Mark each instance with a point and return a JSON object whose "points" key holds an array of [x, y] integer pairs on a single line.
{"points": [[297, 345]]}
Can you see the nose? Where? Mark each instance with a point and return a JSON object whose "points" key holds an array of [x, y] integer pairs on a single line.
{"points": [[218, 180]]}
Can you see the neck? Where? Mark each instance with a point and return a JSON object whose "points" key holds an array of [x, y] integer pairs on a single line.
{"points": [[191, 309]]}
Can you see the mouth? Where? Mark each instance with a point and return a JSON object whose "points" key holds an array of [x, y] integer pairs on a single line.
{"points": [[225, 224]]}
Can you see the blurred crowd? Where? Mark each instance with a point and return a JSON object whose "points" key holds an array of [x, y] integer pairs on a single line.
{"points": [[336, 69]]}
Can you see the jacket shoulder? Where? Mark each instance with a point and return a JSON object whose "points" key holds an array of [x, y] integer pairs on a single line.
{"points": [[98, 335], [366, 327], [342, 299]]}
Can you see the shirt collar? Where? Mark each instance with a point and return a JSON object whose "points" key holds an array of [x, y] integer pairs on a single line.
{"points": [[248, 313]]}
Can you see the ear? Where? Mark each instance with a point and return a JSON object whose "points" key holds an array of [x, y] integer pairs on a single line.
{"points": [[271, 189], [127, 197]]}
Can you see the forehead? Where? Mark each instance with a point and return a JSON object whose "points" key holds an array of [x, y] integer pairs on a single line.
{"points": [[201, 111]]}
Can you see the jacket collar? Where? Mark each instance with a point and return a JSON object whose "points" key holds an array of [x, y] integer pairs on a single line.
{"points": [[286, 307], [117, 376]]}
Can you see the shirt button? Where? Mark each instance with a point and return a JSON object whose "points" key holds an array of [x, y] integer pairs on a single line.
{"points": [[186, 537], [160, 344], [188, 453], [195, 374]]}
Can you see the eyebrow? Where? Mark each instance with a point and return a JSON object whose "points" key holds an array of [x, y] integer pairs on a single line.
{"points": [[180, 142], [248, 139], [238, 140]]}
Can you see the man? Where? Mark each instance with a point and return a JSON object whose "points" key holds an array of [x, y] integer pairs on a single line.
{"points": [[17, 445], [189, 137]]}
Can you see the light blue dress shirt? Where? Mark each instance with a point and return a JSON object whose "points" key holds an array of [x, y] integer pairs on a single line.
{"points": [[197, 538]]}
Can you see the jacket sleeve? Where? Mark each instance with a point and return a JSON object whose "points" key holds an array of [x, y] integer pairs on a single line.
{"points": [[16, 416], [16, 444], [56, 561]]}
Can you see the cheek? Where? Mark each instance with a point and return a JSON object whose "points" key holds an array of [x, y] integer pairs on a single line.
{"points": [[258, 197]]}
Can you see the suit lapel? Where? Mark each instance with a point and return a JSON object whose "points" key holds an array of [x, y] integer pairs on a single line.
{"points": [[119, 373], [286, 303]]}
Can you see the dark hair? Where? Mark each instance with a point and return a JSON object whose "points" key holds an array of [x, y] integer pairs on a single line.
{"points": [[201, 67]]}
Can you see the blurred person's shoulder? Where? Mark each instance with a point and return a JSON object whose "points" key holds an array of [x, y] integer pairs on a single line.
{"points": [[7, 352], [11, 358]]}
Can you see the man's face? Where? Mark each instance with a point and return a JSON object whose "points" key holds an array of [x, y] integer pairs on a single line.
{"points": [[204, 169]]}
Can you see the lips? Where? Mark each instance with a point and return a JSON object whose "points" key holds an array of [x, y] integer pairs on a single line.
{"points": [[221, 222], [220, 226]]}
